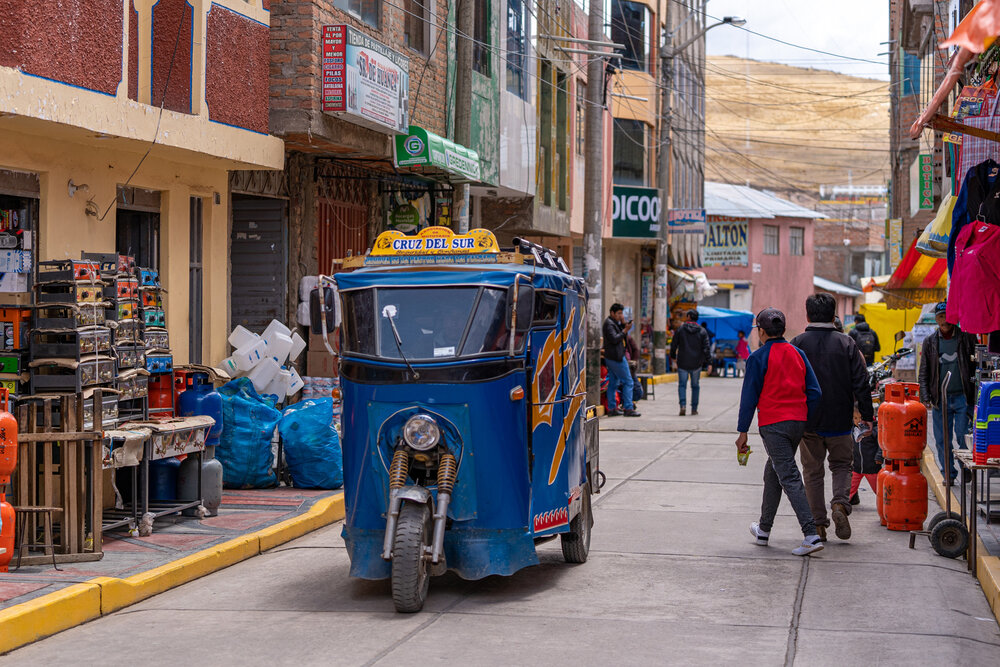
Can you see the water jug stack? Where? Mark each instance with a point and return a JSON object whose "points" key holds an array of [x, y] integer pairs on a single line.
{"points": [[263, 359], [986, 435], [902, 434]]}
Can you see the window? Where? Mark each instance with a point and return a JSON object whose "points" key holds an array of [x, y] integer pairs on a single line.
{"points": [[581, 117], [629, 21], [629, 152], [369, 11], [562, 147], [771, 236], [796, 241], [517, 77], [481, 35], [417, 24], [545, 158], [546, 307]]}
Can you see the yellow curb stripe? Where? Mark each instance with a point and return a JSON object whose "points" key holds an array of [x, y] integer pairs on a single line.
{"points": [[987, 567], [66, 608]]}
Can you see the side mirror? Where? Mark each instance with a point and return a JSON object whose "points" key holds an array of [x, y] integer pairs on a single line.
{"points": [[900, 335], [525, 306], [315, 319]]}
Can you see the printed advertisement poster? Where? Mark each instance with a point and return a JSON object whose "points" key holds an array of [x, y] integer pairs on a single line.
{"points": [[364, 80], [725, 242]]}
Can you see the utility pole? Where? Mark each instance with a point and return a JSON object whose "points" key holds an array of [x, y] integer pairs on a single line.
{"points": [[661, 316], [593, 204], [466, 10]]}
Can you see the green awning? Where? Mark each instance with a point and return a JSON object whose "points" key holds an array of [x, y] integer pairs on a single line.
{"points": [[437, 155]]}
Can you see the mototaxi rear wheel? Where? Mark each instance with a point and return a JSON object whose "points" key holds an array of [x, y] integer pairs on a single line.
{"points": [[576, 543], [410, 569]]}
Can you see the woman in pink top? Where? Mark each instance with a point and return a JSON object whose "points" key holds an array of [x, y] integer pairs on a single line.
{"points": [[742, 353]]}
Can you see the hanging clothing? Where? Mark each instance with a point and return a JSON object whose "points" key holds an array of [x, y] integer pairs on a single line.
{"points": [[979, 198], [973, 295]]}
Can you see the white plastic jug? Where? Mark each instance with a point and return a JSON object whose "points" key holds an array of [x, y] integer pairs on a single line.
{"points": [[297, 346], [229, 366], [241, 337], [278, 346], [295, 383], [278, 386], [264, 374], [275, 327], [250, 355]]}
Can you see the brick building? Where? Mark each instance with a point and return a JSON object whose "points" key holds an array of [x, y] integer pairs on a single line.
{"points": [[120, 123], [850, 242]]}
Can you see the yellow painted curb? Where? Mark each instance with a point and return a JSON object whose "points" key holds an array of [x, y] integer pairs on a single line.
{"points": [[63, 609], [48, 614], [987, 567]]}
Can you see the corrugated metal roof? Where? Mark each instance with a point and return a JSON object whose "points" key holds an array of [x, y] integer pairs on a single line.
{"points": [[739, 201], [836, 288]]}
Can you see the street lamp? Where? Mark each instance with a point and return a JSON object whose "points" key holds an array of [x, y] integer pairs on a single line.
{"points": [[667, 54]]}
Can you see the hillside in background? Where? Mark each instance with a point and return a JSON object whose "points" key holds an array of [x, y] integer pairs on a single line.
{"points": [[791, 129]]}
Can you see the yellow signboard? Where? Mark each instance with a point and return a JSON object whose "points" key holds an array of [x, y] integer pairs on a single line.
{"points": [[435, 241]]}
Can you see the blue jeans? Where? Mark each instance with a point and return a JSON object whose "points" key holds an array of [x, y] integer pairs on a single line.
{"points": [[619, 377], [782, 474], [958, 425], [682, 385]]}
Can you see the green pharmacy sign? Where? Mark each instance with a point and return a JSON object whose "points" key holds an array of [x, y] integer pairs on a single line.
{"points": [[420, 148]]}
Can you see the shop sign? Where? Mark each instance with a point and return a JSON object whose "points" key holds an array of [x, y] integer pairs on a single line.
{"points": [[725, 242], [926, 181], [405, 218], [433, 245], [686, 220], [894, 234], [635, 212], [364, 81], [420, 147]]}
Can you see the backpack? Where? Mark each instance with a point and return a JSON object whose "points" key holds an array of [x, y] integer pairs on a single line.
{"points": [[866, 343]]}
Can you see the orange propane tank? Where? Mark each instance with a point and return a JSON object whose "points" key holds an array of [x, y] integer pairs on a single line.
{"points": [[887, 468], [6, 532], [904, 497], [902, 422]]}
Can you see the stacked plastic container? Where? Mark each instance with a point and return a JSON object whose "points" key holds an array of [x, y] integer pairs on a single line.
{"points": [[263, 358], [986, 435]]}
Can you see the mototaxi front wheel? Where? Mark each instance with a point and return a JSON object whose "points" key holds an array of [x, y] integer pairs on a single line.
{"points": [[410, 570], [576, 543]]}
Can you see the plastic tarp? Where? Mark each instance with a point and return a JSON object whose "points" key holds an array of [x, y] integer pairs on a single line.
{"points": [[886, 323], [312, 446], [725, 323], [244, 448]]}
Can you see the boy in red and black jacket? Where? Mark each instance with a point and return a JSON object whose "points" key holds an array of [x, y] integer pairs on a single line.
{"points": [[781, 386]]}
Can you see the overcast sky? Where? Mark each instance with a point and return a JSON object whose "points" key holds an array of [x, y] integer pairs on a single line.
{"points": [[845, 27]]}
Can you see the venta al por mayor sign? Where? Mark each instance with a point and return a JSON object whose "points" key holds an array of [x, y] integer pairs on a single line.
{"points": [[364, 81]]}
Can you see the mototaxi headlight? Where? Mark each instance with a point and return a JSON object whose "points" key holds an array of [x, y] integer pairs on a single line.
{"points": [[421, 432]]}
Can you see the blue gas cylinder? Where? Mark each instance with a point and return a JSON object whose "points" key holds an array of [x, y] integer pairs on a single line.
{"points": [[201, 398], [163, 479]]}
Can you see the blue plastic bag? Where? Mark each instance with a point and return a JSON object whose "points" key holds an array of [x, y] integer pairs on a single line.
{"points": [[312, 447], [245, 446]]}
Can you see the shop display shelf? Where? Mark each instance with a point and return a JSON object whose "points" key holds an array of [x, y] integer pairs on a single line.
{"points": [[69, 270], [156, 338], [130, 356], [68, 291]]}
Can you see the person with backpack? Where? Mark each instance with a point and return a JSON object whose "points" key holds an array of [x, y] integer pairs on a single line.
{"points": [[865, 338], [781, 387]]}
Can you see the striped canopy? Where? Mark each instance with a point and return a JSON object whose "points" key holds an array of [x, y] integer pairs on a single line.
{"points": [[917, 271]]}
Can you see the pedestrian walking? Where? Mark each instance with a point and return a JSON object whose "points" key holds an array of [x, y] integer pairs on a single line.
{"points": [[867, 462], [742, 352], [690, 350], [781, 387], [948, 349], [865, 338], [619, 378], [843, 379]]}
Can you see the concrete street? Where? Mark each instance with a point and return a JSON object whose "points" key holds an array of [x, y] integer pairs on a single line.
{"points": [[673, 578]]}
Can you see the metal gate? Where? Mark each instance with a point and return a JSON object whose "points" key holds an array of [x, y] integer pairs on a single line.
{"points": [[342, 229], [259, 257]]}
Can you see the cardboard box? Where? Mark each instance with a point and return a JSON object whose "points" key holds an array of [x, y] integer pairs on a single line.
{"points": [[15, 299], [15, 261], [321, 364], [13, 282]]}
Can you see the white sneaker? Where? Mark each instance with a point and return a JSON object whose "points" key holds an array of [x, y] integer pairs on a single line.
{"points": [[809, 545], [759, 534]]}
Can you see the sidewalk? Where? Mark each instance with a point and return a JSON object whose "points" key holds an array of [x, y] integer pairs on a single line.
{"points": [[179, 550]]}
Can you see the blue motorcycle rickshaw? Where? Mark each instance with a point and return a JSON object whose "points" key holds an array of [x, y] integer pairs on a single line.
{"points": [[466, 433]]}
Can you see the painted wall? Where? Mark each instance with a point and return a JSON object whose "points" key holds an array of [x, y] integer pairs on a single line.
{"points": [[622, 265], [781, 281]]}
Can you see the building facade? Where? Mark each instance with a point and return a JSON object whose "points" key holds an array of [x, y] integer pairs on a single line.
{"points": [[120, 124], [850, 242]]}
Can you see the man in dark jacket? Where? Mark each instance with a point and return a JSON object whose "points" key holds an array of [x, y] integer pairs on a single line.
{"points": [[948, 349], [865, 338], [615, 331], [690, 350], [844, 379]]}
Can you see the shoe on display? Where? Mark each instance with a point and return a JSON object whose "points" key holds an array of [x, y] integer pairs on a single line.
{"points": [[632, 413], [811, 544], [760, 535], [841, 524]]}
